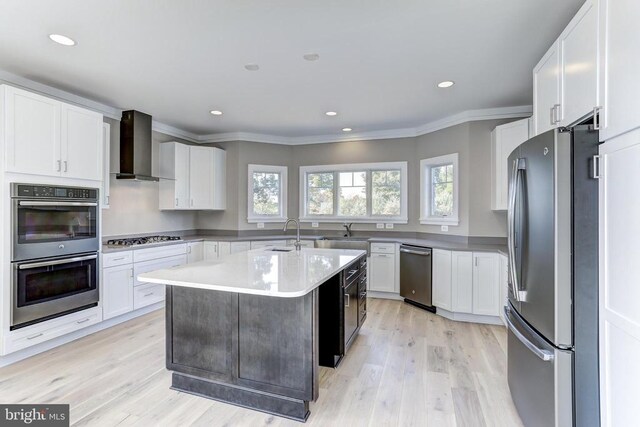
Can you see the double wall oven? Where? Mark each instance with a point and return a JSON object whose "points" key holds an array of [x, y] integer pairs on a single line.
{"points": [[55, 243]]}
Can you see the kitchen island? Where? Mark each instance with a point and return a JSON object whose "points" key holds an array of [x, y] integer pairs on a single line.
{"points": [[252, 328]]}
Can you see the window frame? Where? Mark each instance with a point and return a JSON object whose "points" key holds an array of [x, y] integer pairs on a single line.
{"points": [[426, 218], [252, 217], [355, 167]]}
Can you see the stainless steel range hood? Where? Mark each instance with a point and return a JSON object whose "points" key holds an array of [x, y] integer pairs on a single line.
{"points": [[135, 147]]}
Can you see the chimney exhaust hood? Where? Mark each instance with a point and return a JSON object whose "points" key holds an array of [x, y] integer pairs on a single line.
{"points": [[135, 147]]}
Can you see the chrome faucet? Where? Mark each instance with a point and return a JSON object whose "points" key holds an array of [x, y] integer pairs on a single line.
{"points": [[297, 243], [348, 227]]}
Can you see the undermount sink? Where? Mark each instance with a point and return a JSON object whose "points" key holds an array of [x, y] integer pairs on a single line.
{"points": [[279, 250], [343, 243]]}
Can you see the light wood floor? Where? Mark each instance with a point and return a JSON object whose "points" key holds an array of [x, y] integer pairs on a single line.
{"points": [[407, 367]]}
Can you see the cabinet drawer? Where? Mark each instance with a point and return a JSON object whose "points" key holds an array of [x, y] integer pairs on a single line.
{"points": [[161, 252], [158, 264], [117, 258], [383, 248], [36, 334], [147, 294]]}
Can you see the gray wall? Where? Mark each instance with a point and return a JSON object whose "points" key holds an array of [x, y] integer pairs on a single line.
{"points": [[471, 140], [134, 205]]}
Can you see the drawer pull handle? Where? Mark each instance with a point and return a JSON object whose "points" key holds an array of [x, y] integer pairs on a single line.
{"points": [[35, 336], [148, 294], [82, 321], [118, 259]]}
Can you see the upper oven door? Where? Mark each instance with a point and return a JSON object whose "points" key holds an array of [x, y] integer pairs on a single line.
{"points": [[47, 228]]}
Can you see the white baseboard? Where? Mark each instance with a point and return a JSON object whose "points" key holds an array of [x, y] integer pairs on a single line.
{"points": [[466, 317], [56, 342], [384, 295]]}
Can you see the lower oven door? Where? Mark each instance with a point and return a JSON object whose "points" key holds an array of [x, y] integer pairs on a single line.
{"points": [[50, 288]]}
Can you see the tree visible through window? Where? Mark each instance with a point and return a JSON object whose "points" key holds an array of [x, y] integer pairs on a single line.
{"points": [[442, 190], [385, 193], [320, 193], [267, 193], [352, 194]]}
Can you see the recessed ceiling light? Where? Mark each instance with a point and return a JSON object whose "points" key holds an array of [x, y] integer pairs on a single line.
{"points": [[63, 40], [346, 129], [252, 67], [216, 112], [446, 83], [311, 56], [331, 113]]}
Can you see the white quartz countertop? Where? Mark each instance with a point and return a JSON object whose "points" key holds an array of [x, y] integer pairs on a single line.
{"points": [[260, 271]]}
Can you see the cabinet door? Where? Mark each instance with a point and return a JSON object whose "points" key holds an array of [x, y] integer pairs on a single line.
{"points": [[546, 91], [619, 316], [383, 273], [505, 139], [32, 133], [219, 179], [442, 279], [236, 247], [619, 82], [224, 248], [81, 143], [579, 64], [462, 282], [210, 250], [182, 176], [486, 284], [504, 284], [195, 252], [201, 177], [117, 290], [106, 165]]}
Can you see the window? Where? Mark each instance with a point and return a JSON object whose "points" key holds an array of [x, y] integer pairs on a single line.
{"points": [[372, 192], [439, 190], [267, 193]]}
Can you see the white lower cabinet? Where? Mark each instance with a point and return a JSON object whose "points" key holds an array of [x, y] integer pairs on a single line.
{"points": [[236, 247], [486, 284], [441, 279], [462, 282], [210, 250], [504, 284], [224, 248], [467, 282], [383, 273], [145, 295], [117, 290], [195, 252]]}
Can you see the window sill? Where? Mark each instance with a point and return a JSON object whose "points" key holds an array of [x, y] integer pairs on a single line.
{"points": [[355, 220], [266, 220], [439, 221]]}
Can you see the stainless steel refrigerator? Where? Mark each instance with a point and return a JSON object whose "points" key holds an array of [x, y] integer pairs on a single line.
{"points": [[553, 307]]}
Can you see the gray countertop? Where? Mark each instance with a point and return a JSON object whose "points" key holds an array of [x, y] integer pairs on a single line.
{"points": [[430, 243]]}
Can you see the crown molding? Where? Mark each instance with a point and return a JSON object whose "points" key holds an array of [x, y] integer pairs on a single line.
{"points": [[453, 120], [116, 114]]}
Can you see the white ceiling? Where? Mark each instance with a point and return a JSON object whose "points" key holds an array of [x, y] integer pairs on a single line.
{"points": [[379, 61]]}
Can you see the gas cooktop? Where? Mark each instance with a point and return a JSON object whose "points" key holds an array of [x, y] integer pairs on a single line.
{"points": [[142, 240]]}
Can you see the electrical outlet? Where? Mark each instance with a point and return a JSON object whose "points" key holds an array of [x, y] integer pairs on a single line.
{"points": [[444, 228], [261, 225], [389, 226], [379, 225], [314, 224]]}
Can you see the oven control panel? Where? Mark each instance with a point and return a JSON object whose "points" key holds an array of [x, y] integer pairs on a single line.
{"points": [[50, 192]]}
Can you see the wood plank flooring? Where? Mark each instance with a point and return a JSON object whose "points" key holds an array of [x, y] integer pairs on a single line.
{"points": [[407, 367]]}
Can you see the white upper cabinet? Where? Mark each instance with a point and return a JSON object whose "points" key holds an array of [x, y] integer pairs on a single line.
{"points": [[81, 143], [44, 136], [32, 132], [192, 177], [546, 91], [106, 165], [619, 83], [442, 279], [504, 139], [579, 65]]}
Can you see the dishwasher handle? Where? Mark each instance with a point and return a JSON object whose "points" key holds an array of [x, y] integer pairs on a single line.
{"points": [[415, 252]]}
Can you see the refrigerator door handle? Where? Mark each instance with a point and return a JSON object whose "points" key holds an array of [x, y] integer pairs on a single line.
{"points": [[518, 168], [543, 354]]}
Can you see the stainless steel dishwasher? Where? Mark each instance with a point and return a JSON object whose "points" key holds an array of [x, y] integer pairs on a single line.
{"points": [[415, 276]]}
